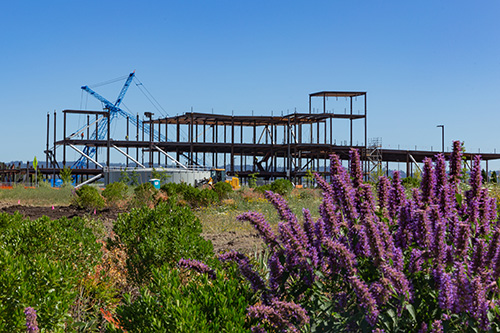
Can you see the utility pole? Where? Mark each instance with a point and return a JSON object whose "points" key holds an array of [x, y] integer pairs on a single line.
{"points": [[442, 136]]}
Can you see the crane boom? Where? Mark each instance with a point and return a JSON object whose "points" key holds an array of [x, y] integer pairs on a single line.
{"points": [[114, 111]]}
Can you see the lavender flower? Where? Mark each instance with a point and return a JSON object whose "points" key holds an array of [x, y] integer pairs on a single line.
{"points": [[437, 326], [31, 323], [428, 183], [439, 237], [381, 291], [198, 266], [365, 299], [308, 225], [478, 257], [456, 162], [261, 225], [281, 206], [276, 270], [416, 261], [447, 291], [340, 253], [481, 306], [492, 248], [329, 214], [423, 328], [383, 195], [283, 316], [245, 268], [464, 290], [398, 280], [355, 167], [476, 179], [397, 197], [462, 239], [377, 247]]}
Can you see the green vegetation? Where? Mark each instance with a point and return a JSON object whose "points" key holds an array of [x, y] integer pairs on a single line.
{"points": [[47, 265], [135, 282], [65, 175], [177, 301], [158, 236], [115, 193], [88, 197]]}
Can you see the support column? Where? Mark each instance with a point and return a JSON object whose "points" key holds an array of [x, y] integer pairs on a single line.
{"points": [[64, 138]]}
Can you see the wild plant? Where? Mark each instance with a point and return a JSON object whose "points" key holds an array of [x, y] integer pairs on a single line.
{"points": [[430, 261]]}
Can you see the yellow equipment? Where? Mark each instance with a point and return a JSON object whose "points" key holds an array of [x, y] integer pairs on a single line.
{"points": [[219, 175]]}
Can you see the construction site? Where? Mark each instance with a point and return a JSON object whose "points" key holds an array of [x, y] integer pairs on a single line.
{"points": [[187, 147]]}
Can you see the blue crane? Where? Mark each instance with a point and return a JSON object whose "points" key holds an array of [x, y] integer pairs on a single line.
{"points": [[114, 111]]}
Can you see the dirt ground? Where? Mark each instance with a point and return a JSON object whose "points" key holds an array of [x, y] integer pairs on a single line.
{"points": [[223, 241]]}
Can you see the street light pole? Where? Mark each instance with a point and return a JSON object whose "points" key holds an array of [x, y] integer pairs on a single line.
{"points": [[442, 136]]}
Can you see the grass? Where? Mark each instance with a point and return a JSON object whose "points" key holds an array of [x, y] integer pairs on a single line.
{"points": [[41, 196], [222, 218], [214, 218]]}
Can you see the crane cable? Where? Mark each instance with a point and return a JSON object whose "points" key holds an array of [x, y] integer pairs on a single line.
{"points": [[150, 97], [108, 82]]}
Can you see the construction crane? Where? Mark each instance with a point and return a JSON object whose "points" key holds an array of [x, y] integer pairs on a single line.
{"points": [[100, 133]]}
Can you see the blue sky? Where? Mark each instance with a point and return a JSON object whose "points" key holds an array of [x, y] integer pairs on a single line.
{"points": [[422, 63]]}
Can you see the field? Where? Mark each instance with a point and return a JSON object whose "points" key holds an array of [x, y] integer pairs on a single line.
{"points": [[219, 222], [396, 256]]}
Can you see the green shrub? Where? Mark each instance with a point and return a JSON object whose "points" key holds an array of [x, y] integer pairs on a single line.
{"points": [[282, 186], [411, 182], [207, 197], [153, 237], [176, 190], [65, 175], [170, 189], [191, 194], [115, 192], [222, 189], [252, 180], [42, 263], [263, 188], [174, 302], [144, 195], [88, 197]]}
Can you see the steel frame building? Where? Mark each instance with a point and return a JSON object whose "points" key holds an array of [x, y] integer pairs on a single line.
{"points": [[284, 146]]}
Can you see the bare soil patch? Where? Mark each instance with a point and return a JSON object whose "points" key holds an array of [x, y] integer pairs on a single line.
{"points": [[56, 212], [231, 240]]}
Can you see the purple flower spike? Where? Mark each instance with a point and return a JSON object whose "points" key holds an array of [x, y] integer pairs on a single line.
{"points": [[476, 179], [355, 167], [276, 271], [447, 291], [397, 197], [281, 206], [481, 305], [340, 253], [456, 162], [428, 184], [197, 266], [280, 315], [261, 225], [245, 267], [31, 323], [437, 326], [383, 195], [365, 298]]}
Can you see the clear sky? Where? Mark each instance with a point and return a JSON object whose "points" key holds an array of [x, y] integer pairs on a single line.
{"points": [[422, 63]]}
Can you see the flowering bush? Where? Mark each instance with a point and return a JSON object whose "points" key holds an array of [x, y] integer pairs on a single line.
{"points": [[427, 262]]}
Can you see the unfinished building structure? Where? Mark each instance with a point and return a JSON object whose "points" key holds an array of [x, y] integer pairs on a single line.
{"points": [[289, 145]]}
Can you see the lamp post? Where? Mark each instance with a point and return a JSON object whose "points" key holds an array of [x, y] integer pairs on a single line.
{"points": [[442, 136]]}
